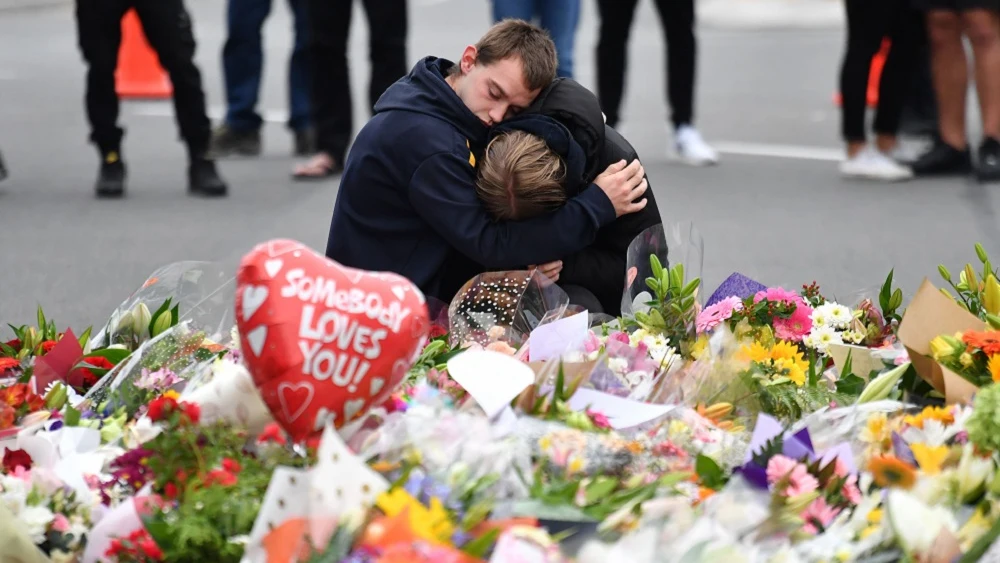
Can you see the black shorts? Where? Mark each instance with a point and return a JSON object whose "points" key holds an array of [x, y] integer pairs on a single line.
{"points": [[957, 5]]}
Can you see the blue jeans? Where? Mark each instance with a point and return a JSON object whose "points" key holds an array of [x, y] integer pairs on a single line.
{"points": [[243, 63], [558, 17]]}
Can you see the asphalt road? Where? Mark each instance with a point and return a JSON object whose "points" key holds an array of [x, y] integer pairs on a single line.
{"points": [[775, 209]]}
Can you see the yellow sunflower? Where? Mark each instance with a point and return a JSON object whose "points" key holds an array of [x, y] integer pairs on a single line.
{"points": [[890, 471]]}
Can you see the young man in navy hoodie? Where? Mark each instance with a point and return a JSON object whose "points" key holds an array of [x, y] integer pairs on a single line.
{"points": [[407, 201]]}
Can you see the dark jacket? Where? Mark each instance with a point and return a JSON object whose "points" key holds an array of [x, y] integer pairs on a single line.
{"points": [[600, 267], [407, 201]]}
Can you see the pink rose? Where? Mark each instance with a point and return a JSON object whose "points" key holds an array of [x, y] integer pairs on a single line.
{"points": [[60, 523]]}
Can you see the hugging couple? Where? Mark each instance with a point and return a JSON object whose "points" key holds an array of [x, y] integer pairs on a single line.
{"points": [[488, 164]]}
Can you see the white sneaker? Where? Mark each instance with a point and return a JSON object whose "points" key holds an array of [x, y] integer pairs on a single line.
{"points": [[874, 165], [692, 149]]}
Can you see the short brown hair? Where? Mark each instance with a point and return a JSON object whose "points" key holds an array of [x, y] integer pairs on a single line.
{"points": [[526, 41], [520, 177]]}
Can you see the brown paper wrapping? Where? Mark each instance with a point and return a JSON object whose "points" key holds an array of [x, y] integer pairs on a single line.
{"points": [[929, 315]]}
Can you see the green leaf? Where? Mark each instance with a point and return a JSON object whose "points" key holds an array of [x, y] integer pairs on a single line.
{"points": [[174, 315], [655, 266], [85, 337], [851, 385], [480, 546], [560, 383], [71, 416], [709, 472], [41, 320], [7, 350], [599, 489], [691, 286]]}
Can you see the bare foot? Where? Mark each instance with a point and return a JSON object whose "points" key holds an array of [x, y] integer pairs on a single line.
{"points": [[319, 167]]}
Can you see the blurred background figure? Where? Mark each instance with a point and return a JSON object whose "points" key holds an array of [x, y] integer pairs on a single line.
{"points": [[677, 18], [332, 108], [868, 23], [919, 118], [170, 33], [242, 67], [947, 22], [558, 17], [3, 169]]}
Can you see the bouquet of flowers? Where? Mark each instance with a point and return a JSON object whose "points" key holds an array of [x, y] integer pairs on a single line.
{"points": [[973, 355]]}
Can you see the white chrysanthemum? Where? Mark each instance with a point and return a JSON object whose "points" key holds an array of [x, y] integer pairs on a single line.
{"points": [[822, 337], [852, 336], [840, 315], [36, 520], [821, 315]]}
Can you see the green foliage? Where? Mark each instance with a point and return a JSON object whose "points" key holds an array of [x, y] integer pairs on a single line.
{"points": [[709, 472], [674, 310], [434, 356], [890, 300]]}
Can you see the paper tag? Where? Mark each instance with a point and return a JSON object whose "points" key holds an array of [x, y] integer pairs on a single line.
{"points": [[621, 413], [491, 378], [552, 340]]}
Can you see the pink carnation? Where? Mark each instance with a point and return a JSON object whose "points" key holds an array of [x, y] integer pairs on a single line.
{"points": [[715, 314], [800, 481], [818, 514], [60, 523]]}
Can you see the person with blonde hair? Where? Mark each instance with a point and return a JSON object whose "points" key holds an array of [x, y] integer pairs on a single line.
{"points": [[536, 162]]}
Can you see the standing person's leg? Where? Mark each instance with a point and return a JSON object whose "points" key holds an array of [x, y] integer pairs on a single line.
{"points": [[299, 81], [949, 68], [982, 26], [677, 18], [242, 66], [330, 99], [867, 25], [514, 9], [612, 53], [900, 21], [560, 18], [388, 23], [99, 31], [920, 106], [170, 33]]}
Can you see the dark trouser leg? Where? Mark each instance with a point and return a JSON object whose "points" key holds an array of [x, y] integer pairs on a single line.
{"points": [[100, 35], [388, 25], [299, 70], [612, 50], [243, 62], [170, 32], [864, 38], [677, 18], [901, 23], [919, 115], [579, 295], [330, 23]]}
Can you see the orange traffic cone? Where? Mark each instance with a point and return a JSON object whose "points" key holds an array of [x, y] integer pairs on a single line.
{"points": [[874, 76], [139, 74]]}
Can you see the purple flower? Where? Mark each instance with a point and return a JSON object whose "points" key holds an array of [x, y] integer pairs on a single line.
{"points": [[56, 425]]}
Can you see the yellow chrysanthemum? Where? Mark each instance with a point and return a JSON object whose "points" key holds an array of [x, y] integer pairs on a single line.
{"points": [[994, 367], [930, 459]]}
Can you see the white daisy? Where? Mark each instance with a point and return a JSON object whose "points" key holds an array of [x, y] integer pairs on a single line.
{"points": [[840, 316]]}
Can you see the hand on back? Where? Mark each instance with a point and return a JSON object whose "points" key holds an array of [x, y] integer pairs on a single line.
{"points": [[624, 184]]}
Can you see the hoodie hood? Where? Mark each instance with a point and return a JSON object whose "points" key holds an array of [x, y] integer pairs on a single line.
{"points": [[424, 90], [577, 108], [558, 138]]}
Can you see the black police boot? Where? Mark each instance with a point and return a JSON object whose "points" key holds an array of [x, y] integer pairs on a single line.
{"points": [[111, 178], [204, 179]]}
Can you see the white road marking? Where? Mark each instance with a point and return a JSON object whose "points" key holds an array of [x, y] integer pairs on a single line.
{"points": [[800, 152], [166, 109]]}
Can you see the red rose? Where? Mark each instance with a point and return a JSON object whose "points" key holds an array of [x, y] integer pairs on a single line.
{"points": [[114, 548], [149, 547], [170, 491], [191, 411], [47, 346], [15, 344], [231, 465], [12, 459], [437, 330], [160, 408]]}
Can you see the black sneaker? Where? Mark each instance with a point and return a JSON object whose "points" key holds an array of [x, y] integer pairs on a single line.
{"points": [[305, 142], [988, 166], [111, 178], [943, 160], [229, 142], [204, 179]]}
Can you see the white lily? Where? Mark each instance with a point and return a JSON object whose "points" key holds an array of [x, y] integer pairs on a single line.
{"points": [[915, 524]]}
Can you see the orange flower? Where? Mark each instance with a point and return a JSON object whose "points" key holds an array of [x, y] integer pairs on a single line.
{"points": [[993, 366], [14, 395], [890, 471], [7, 416], [940, 414], [8, 363], [988, 341]]}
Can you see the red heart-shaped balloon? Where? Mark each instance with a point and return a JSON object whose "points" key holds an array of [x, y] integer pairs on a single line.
{"points": [[323, 341]]}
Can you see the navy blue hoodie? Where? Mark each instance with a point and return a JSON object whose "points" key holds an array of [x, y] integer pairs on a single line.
{"points": [[407, 201]]}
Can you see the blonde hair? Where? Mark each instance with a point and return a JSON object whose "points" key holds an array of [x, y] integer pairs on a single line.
{"points": [[520, 177]]}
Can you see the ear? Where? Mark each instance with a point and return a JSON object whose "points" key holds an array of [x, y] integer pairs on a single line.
{"points": [[469, 58]]}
